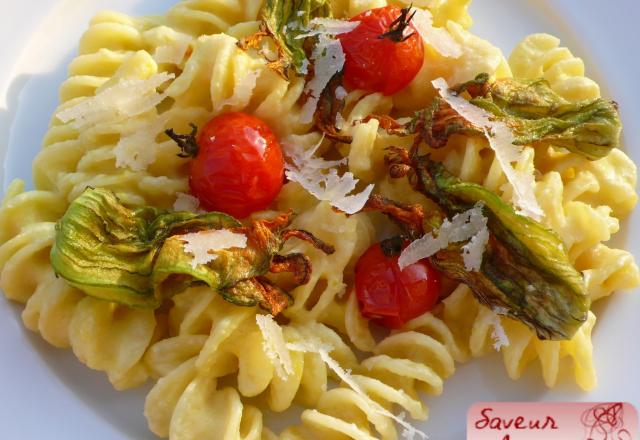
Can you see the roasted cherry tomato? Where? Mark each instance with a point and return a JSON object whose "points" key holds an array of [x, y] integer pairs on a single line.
{"points": [[391, 296], [237, 167], [384, 53]]}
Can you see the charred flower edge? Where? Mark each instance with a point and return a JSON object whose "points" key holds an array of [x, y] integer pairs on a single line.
{"points": [[136, 258], [525, 272]]}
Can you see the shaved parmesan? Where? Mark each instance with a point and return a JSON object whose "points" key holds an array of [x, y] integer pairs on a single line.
{"points": [[275, 346], [501, 140], [309, 346], [202, 245], [126, 99], [136, 151], [471, 224], [137, 147], [328, 26], [409, 431], [187, 203], [438, 38], [242, 91], [320, 179], [328, 60], [472, 251], [304, 68], [175, 52], [499, 336]]}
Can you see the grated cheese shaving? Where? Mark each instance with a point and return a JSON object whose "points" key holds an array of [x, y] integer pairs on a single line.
{"points": [[471, 224], [175, 52], [187, 203], [499, 336], [319, 177], [304, 69], [135, 151], [126, 99], [501, 141], [275, 346], [328, 26], [242, 90], [202, 245], [438, 38], [309, 346], [409, 431], [328, 60], [137, 148], [472, 251]]}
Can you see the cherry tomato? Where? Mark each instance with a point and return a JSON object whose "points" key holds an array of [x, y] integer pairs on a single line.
{"points": [[391, 296], [239, 168], [378, 63]]}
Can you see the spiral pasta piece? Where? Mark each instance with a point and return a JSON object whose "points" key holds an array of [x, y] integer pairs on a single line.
{"points": [[208, 17], [188, 405], [410, 361], [478, 56], [20, 209], [72, 158], [403, 364], [609, 181], [25, 261], [103, 335], [219, 76], [473, 326], [211, 360], [540, 55], [350, 235], [233, 345], [451, 10]]}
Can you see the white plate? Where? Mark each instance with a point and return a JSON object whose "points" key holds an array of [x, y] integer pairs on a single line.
{"points": [[46, 393]]}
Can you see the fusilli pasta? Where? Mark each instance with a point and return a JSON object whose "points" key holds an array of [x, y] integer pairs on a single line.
{"points": [[213, 368]]}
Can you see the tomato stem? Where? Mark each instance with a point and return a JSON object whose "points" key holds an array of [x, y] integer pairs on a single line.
{"points": [[398, 26], [392, 246], [187, 142]]}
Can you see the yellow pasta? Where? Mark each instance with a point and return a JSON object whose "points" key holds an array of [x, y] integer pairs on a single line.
{"points": [[104, 336], [402, 365], [478, 56], [451, 10], [352, 236], [233, 345], [472, 325], [208, 17], [540, 55], [213, 369]]}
